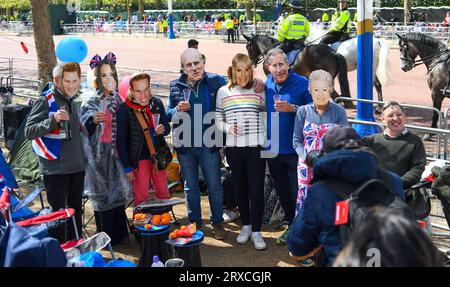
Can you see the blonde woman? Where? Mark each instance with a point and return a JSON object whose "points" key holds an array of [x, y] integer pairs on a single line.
{"points": [[238, 114]]}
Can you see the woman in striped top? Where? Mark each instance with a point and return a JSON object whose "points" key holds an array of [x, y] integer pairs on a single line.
{"points": [[238, 115]]}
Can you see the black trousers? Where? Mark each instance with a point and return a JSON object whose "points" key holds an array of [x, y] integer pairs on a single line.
{"points": [[332, 37], [114, 222], [65, 190], [248, 169], [230, 33], [283, 169]]}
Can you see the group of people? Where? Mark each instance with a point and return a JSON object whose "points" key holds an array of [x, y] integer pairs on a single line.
{"points": [[282, 123]]}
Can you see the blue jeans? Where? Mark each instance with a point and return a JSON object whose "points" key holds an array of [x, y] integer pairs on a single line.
{"points": [[209, 162]]}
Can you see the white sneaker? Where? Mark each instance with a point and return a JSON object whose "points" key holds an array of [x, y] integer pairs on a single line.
{"points": [[258, 241], [244, 235], [229, 215]]}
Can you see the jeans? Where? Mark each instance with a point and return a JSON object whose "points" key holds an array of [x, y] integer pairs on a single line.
{"points": [[209, 161], [283, 169]]}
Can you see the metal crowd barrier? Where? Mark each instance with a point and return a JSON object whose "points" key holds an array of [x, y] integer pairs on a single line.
{"points": [[440, 123]]}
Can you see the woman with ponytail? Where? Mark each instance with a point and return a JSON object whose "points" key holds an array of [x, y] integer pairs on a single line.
{"points": [[239, 114]]}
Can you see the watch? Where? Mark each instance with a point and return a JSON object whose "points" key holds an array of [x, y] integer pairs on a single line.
{"points": [[295, 109]]}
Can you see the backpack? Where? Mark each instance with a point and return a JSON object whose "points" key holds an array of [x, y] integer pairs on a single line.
{"points": [[369, 194]]}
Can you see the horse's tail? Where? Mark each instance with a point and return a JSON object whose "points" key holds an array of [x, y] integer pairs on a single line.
{"points": [[384, 71], [342, 75]]}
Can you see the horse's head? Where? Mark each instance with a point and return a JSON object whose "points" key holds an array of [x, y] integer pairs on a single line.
{"points": [[408, 53], [253, 50]]}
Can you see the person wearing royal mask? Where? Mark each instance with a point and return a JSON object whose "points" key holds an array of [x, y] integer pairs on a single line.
{"points": [[133, 148], [61, 156], [311, 123], [239, 115], [107, 186]]}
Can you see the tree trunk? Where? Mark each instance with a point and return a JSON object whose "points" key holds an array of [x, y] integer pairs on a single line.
{"points": [[43, 39], [158, 4], [407, 12], [141, 8], [99, 4], [248, 9]]}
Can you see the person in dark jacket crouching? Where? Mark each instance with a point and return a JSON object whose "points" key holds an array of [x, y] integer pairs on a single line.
{"points": [[314, 229]]}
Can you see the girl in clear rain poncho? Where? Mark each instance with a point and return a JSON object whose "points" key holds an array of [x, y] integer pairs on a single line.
{"points": [[106, 184]]}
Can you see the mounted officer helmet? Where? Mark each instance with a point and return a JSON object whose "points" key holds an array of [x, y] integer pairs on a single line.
{"points": [[297, 4]]}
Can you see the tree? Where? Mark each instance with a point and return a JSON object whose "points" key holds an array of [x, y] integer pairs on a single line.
{"points": [[141, 7], [407, 10], [43, 39], [158, 4]]}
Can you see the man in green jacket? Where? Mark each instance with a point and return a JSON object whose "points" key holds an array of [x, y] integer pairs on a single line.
{"points": [[294, 29], [340, 26], [229, 25]]}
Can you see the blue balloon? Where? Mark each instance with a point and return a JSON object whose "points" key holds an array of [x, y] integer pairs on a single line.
{"points": [[71, 49]]}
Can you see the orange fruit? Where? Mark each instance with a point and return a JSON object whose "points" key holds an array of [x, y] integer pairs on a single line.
{"points": [[173, 235], [183, 227], [166, 215], [156, 219], [165, 220], [148, 226]]}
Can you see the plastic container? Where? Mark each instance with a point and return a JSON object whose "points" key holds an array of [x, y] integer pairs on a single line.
{"points": [[156, 262]]}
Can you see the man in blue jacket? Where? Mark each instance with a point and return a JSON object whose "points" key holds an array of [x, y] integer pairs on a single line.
{"points": [[314, 226], [285, 92], [192, 97]]}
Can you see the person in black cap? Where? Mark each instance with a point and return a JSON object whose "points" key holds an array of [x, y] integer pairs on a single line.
{"points": [[314, 229]]}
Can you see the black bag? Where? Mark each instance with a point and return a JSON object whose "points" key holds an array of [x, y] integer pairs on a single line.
{"points": [[163, 157], [419, 200], [371, 193]]}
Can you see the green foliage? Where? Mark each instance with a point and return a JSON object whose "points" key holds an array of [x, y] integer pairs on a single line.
{"points": [[16, 4]]}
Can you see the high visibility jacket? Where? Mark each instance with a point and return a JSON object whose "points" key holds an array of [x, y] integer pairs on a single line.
{"points": [[325, 17], [229, 24], [165, 23], [295, 26], [355, 17], [341, 22], [241, 18]]}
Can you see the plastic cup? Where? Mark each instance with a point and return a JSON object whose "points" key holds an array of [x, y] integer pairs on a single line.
{"points": [[276, 97], [155, 120], [186, 94], [103, 105]]}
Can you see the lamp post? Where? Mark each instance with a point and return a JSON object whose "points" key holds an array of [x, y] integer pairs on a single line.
{"points": [[364, 85], [171, 32]]}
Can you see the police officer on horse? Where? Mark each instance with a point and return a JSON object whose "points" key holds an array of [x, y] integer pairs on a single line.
{"points": [[340, 26], [294, 29]]}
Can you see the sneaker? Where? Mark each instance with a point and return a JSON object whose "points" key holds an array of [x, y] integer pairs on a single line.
{"points": [[229, 215], [244, 235], [258, 241], [308, 262], [283, 237], [219, 231]]}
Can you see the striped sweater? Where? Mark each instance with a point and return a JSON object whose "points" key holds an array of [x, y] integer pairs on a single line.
{"points": [[244, 107]]}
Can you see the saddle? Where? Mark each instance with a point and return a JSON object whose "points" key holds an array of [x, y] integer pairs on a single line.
{"points": [[292, 55]]}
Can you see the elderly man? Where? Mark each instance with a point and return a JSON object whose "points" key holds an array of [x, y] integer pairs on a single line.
{"points": [[61, 157], [192, 96], [398, 150], [285, 92]]}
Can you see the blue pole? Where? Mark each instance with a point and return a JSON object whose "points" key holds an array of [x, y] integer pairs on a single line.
{"points": [[171, 32], [364, 111]]}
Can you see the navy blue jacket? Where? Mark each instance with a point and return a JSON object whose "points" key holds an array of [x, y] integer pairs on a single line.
{"points": [[314, 224], [204, 94]]}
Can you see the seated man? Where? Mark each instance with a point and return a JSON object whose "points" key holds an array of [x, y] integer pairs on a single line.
{"points": [[398, 150], [345, 160]]}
